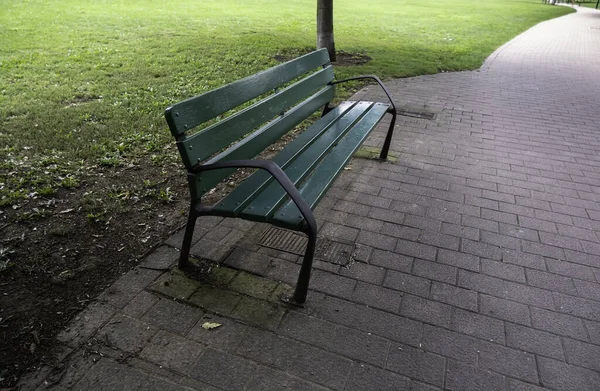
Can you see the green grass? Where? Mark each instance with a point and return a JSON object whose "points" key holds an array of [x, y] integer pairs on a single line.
{"points": [[85, 83], [588, 4]]}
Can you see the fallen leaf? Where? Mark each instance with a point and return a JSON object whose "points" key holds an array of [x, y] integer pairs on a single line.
{"points": [[211, 325]]}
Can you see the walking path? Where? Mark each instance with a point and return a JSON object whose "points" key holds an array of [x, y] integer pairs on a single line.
{"points": [[476, 255]]}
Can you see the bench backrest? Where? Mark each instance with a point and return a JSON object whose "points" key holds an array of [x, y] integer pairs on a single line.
{"points": [[249, 131]]}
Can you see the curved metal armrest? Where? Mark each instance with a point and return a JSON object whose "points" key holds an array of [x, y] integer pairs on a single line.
{"points": [[373, 77], [276, 172]]}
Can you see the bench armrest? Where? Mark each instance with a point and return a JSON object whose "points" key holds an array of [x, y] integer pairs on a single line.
{"points": [[277, 173], [372, 77]]}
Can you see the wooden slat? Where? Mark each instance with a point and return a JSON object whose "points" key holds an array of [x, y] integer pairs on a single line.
{"points": [[206, 143], [313, 189], [239, 198], [267, 135], [188, 114], [273, 195]]}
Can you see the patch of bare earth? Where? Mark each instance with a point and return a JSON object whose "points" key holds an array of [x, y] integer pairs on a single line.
{"points": [[60, 253]]}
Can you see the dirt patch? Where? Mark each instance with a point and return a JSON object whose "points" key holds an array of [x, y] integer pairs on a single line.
{"points": [[342, 58], [58, 254]]}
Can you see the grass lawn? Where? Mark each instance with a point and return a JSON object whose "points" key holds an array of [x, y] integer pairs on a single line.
{"points": [[86, 82], [589, 4]]}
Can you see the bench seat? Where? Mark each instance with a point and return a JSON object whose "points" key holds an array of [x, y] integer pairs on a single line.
{"points": [[225, 129], [312, 162]]}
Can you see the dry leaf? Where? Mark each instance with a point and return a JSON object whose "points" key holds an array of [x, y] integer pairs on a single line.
{"points": [[211, 325]]}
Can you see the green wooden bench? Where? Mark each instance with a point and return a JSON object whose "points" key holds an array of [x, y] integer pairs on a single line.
{"points": [[283, 191]]}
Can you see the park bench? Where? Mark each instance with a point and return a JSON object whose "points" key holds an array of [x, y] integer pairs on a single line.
{"points": [[284, 190]]}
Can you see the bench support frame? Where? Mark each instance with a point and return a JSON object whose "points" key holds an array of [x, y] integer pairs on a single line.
{"points": [[197, 209]]}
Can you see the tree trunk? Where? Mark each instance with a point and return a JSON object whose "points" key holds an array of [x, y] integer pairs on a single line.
{"points": [[325, 27]]}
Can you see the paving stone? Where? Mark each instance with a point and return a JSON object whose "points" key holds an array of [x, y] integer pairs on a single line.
{"points": [[162, 258], [390, 260], [505, 289], [594, 331], [587, 289], [504, 309], [569, 269], [418, 386], [551, 281], [440, 240], [435, 271], [477, 325], [407, 283], [461, 260], [127, 287], [365, 378], [332, 284], [520, 233], [174, 284], [172, 351], [223, 370], [416, 250], [537, 224], [426, 310], [503, 270], [86, 323], [516, 385], [108, 375], [337, 231], [558, 375], [461, 231], [227, 338], [158, 384], [358, 345], [534, 341], [284, 271], [297, 359], [462, 377], [576, 306], [453, 295], [476, 200], [450, 344], [370, 320], [582, 354], [417, 364], [364, 272], [376, 240], [215, 300], [524, 259], [500, 240], [377, 297], [172, 316], [267, 379], [258, 313], [501, 217], [254, 286], [558, 323], [582, 258], [249, 261], [127, 334], [511, 362], [140, 304], [481, 249], [423, 223], [400, 231]]}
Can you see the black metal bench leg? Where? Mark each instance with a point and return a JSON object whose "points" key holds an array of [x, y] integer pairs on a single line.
{"points": [[388, 137], [305, 269], [184, 262]]}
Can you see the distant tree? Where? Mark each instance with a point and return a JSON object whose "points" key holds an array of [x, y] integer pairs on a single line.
{"points": [[325, 27]]}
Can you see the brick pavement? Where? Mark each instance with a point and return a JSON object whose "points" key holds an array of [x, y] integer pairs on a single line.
{"points": [[477, 263]]}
